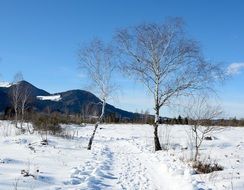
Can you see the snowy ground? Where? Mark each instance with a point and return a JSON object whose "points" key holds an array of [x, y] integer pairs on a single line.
{"points": [[121, 158]]}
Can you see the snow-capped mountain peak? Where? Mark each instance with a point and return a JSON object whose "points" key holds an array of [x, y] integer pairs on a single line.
{"points": [[4, 84]]}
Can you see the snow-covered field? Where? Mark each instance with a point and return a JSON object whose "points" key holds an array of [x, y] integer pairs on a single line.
{"points": [[121, 158]]}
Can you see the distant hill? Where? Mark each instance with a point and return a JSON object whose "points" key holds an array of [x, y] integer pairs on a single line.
{"points": [[71, 102]]}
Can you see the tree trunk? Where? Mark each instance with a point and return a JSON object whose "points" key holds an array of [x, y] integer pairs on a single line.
{"points": [[156, 139], [92, 137], [22, 117], [196, 154], [16, 118], [96, 125], [196, 146]]}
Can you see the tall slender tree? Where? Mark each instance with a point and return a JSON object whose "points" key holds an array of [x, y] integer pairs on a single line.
{"points": [[98, 61], [15, 95], [25, 98]]}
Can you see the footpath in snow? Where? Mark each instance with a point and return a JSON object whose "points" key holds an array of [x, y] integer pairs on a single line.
{"points": [[120, 162]]}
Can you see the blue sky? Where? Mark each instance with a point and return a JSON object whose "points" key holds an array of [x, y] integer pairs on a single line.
{"points": [[41, 39]]}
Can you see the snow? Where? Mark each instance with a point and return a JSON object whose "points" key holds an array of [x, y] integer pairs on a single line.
{"points": [[5, 84], [121, 158], [55, 98]]}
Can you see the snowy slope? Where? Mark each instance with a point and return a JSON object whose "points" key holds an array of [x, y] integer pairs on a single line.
{"points": [[55, 98], [121, 158]]}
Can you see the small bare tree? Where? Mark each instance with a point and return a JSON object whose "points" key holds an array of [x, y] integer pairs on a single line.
{"points": [[15, 95], [201, 114], [98, 61], [25, 98], [166, 61]]}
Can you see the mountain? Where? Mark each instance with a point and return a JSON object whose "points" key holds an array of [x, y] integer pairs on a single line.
{"points": [[4, 100], [71, 102]]}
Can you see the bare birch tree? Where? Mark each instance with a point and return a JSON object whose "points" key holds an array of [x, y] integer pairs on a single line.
{"points": [[201, 114], [166, 61], [25, 95], [15, 95], [98, 61]]}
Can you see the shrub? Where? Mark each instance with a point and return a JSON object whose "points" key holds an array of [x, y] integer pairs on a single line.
{"points": [[203, 168], [48, 124]]}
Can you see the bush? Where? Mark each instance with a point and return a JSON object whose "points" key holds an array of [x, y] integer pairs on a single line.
{"points": [[203, 168], [48, 124]]}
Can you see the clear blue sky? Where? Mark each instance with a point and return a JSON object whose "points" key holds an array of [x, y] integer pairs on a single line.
{"points": [[41, 38]]}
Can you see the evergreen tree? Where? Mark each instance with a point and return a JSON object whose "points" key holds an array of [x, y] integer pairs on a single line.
{"points": [[186, 121], [180, 120]]}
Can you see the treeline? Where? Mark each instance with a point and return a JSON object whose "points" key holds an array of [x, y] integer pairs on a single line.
{"points": [[149, 119], [139, 118], [229, 122]]}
